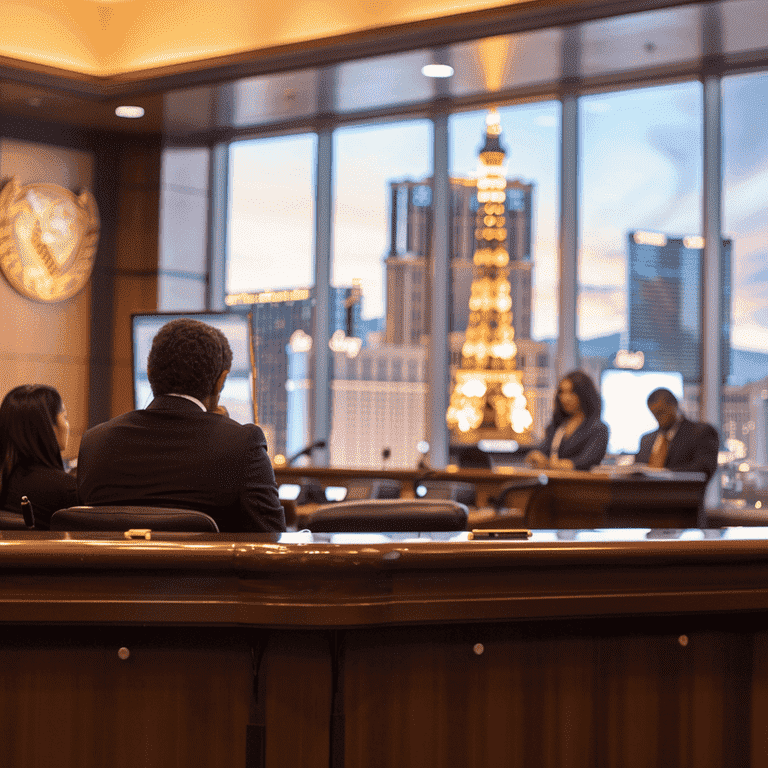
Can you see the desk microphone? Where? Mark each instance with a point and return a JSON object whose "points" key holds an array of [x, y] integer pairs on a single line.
{"points": [[27, 512], [306, 451]]}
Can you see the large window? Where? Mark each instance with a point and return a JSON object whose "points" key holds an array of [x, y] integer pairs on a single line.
{"points": [[637, 239], [270, 265], [640, 255], [381, 229], [271, 214], [745, 225]]}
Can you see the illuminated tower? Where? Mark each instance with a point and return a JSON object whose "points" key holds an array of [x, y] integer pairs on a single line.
{"points": [[487, 399]]}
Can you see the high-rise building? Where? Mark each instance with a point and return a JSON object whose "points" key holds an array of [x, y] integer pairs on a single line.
{"points": [[378, 399], [277, 315], [488, 399], [664, 302], [410, 237]]}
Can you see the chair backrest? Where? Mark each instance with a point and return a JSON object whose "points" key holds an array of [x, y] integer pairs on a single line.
{"points": [[374, 488], [125, 518], [389, 515], [451, 490], [530, 487], [524, 493]]}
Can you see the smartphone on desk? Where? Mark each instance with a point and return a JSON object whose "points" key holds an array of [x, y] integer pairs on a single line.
{"points": [[500, 533]]}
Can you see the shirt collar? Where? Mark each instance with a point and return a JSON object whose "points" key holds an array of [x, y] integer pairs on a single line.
{"points": [[190, 398], [672, 431]]}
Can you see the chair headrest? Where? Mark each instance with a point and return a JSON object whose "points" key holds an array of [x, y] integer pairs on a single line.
{"points": [[389, 515], [124, 518]]}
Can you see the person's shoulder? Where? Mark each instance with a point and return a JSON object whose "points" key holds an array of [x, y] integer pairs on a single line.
{"points": [[224, 428], [218, 420], [649, 435], [598, 425], [704, 428], [104, 426], [50, 475]]}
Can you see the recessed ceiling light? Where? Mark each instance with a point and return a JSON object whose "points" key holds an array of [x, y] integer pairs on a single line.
{"points": [[127, 111], [437, 70]]}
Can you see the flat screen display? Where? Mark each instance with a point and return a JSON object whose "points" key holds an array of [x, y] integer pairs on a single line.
{"points": [[625, 411], [236, 396]]}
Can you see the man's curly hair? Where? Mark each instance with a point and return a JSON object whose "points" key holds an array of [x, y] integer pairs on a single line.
{"points": [[186, 358]]}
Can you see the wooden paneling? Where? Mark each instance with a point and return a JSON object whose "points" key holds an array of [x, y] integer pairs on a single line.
{"points": [[297, 698], [547, 695], [180, 699], [136, 258]]}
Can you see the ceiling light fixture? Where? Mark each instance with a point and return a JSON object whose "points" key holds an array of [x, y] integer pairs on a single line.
{"points": [[127, 111], [437, 70]]}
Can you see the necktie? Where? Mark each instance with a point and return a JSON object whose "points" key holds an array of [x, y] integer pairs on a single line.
{"points": [[658, 457]]}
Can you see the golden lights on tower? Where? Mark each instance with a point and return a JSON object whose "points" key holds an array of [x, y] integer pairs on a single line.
{"points": [[488, 399]]}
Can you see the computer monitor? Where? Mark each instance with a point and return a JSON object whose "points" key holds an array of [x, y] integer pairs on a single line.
{"points": [[625, 411], [236, 396]]}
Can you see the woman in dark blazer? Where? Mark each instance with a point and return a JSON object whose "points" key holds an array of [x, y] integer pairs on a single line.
{"points": [[34, 430], [575, 438]]}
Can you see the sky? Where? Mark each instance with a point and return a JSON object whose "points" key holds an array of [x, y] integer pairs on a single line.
{"points": [[639, 168]]}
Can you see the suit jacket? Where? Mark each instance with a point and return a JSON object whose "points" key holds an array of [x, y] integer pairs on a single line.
{"points": [[173, 454], [693, 448], [586, 447], [47, 489]]}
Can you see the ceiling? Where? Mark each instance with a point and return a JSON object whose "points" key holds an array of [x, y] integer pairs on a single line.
{"points": [[109, 38], [198, 66]]}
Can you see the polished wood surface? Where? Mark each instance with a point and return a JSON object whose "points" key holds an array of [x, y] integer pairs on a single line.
{"points": [[570, 649], [598, 499]]}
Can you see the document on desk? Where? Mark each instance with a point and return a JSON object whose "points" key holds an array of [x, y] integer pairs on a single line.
{"points": [[627, 470]]}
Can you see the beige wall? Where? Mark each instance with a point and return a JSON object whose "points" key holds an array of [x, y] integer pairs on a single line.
{"points": [[47, 343]]}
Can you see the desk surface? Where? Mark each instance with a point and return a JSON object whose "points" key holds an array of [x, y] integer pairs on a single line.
{"points": [[502, 474]]}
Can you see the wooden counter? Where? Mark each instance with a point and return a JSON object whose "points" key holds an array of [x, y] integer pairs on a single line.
{"points": [[597, 499], [570, 649]]}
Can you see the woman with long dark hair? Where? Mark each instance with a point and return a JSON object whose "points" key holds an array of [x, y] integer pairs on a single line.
{"points": [[34, 430], [575, 438]]}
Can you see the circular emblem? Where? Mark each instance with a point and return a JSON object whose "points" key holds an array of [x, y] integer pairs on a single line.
{"points": [[48, 238]]}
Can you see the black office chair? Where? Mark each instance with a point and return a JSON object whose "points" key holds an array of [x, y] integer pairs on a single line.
{"points": [[373, 488], [388, 515], [127, 518], [426, 488], [517, 516]]}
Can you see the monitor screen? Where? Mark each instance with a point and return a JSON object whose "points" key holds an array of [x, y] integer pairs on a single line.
{"points": [[625, 411], [236, 396]]}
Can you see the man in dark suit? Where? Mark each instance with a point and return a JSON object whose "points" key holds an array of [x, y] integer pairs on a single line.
{"points": [[678, 444], [182, 450]]}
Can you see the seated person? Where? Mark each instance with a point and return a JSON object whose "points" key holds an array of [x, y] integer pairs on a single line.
{"points": [[181, 450], [678, 444], [575, 438], [33, 432]]}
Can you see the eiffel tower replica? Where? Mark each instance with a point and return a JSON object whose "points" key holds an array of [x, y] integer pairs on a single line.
{"points": [[488, 400]]}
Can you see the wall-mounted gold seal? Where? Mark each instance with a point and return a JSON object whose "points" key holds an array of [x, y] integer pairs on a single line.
{"points": [[48, 238]]}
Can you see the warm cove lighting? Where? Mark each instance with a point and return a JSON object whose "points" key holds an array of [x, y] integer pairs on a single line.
{"points": [[437, 70], [127, 111]]}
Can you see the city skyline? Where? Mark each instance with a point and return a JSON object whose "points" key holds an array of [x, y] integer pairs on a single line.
{"points": [[640, 169]]}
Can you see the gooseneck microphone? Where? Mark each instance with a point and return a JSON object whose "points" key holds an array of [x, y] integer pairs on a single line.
{"points": [[306, 451]]}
